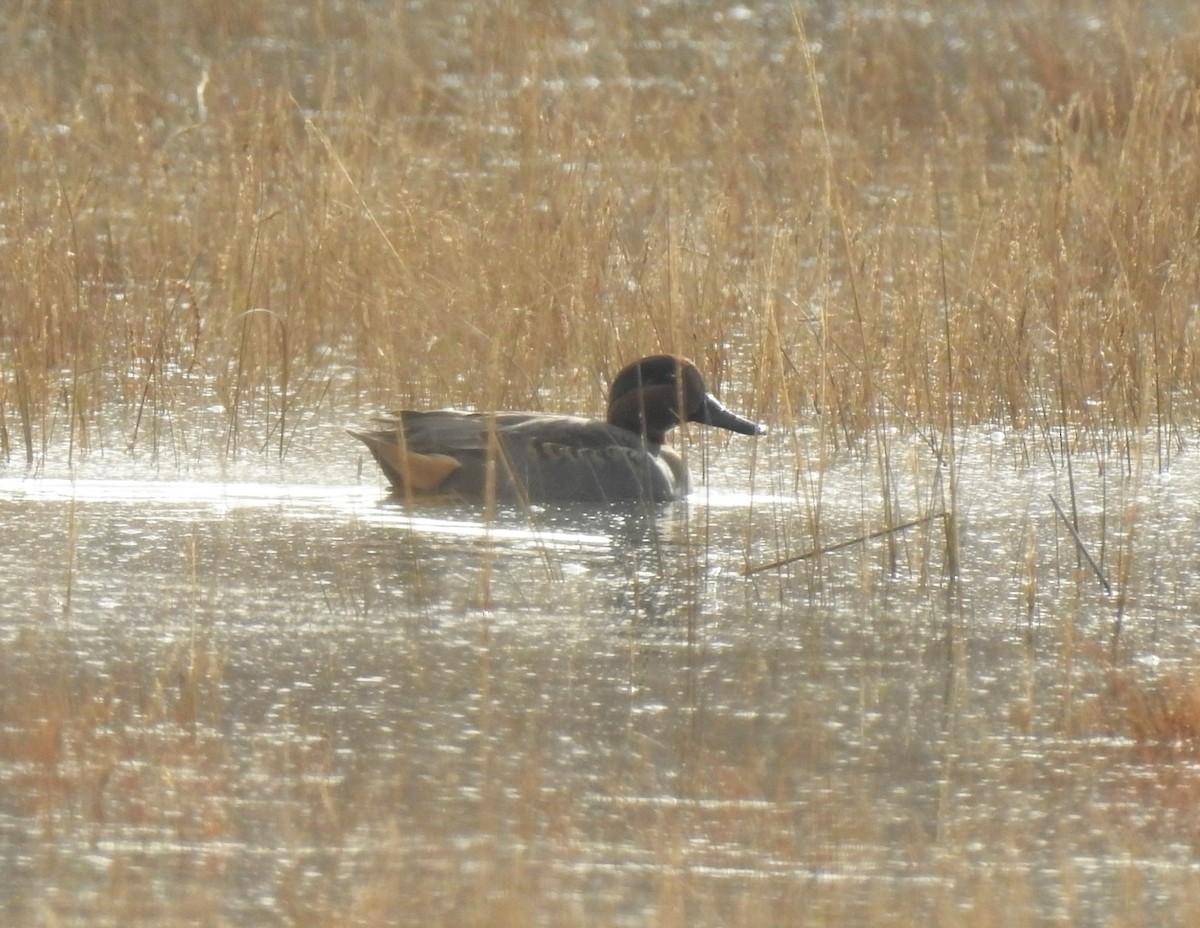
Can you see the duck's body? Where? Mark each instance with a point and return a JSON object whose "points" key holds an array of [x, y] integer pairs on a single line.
{"points": [[535, 457]]}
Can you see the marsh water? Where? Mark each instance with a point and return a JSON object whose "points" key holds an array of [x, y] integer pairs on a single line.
{"points": [[888, 680], [249, 697]]}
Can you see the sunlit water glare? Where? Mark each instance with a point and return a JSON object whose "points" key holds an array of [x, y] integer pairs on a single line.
{"points": [[270, 690]]}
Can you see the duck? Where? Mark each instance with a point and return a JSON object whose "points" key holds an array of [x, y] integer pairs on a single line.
{"points": [[531, 457]]}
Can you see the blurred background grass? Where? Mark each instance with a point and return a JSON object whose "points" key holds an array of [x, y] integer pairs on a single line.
{"points": [[850, 211]]}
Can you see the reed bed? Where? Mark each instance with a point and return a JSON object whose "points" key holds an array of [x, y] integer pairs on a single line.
{"points": [[856, 214], [873, 225]]}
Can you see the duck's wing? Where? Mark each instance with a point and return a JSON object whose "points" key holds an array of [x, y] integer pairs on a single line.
{"points": [[569, 458], [518, 456], [447, 450]]}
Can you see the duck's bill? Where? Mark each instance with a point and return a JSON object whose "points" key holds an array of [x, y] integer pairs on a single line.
{"points": [[715, 413]]}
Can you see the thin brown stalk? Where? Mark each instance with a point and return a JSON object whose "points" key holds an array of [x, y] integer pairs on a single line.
{"points": [[1081, 547], [837, 546]]}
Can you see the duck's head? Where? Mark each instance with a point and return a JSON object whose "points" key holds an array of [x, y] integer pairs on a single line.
{"points": [[655, 394]]}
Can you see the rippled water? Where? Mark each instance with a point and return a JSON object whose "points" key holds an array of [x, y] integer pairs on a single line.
{"points": [[264, 694], [242, 700]]}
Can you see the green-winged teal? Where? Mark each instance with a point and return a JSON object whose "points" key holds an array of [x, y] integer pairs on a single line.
{"points": [[533, 457]]}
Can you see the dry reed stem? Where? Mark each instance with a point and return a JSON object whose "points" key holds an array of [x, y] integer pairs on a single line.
{"points": [[887, 533]]}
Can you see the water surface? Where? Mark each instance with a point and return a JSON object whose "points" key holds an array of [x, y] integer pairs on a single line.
{"points": [[239, 700]]}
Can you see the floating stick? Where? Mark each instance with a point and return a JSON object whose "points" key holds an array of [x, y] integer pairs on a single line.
{"points": [[842, 544]]}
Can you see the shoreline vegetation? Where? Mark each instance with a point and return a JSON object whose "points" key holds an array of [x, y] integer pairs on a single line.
{"points": [[875, 226], [866, 216]]}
